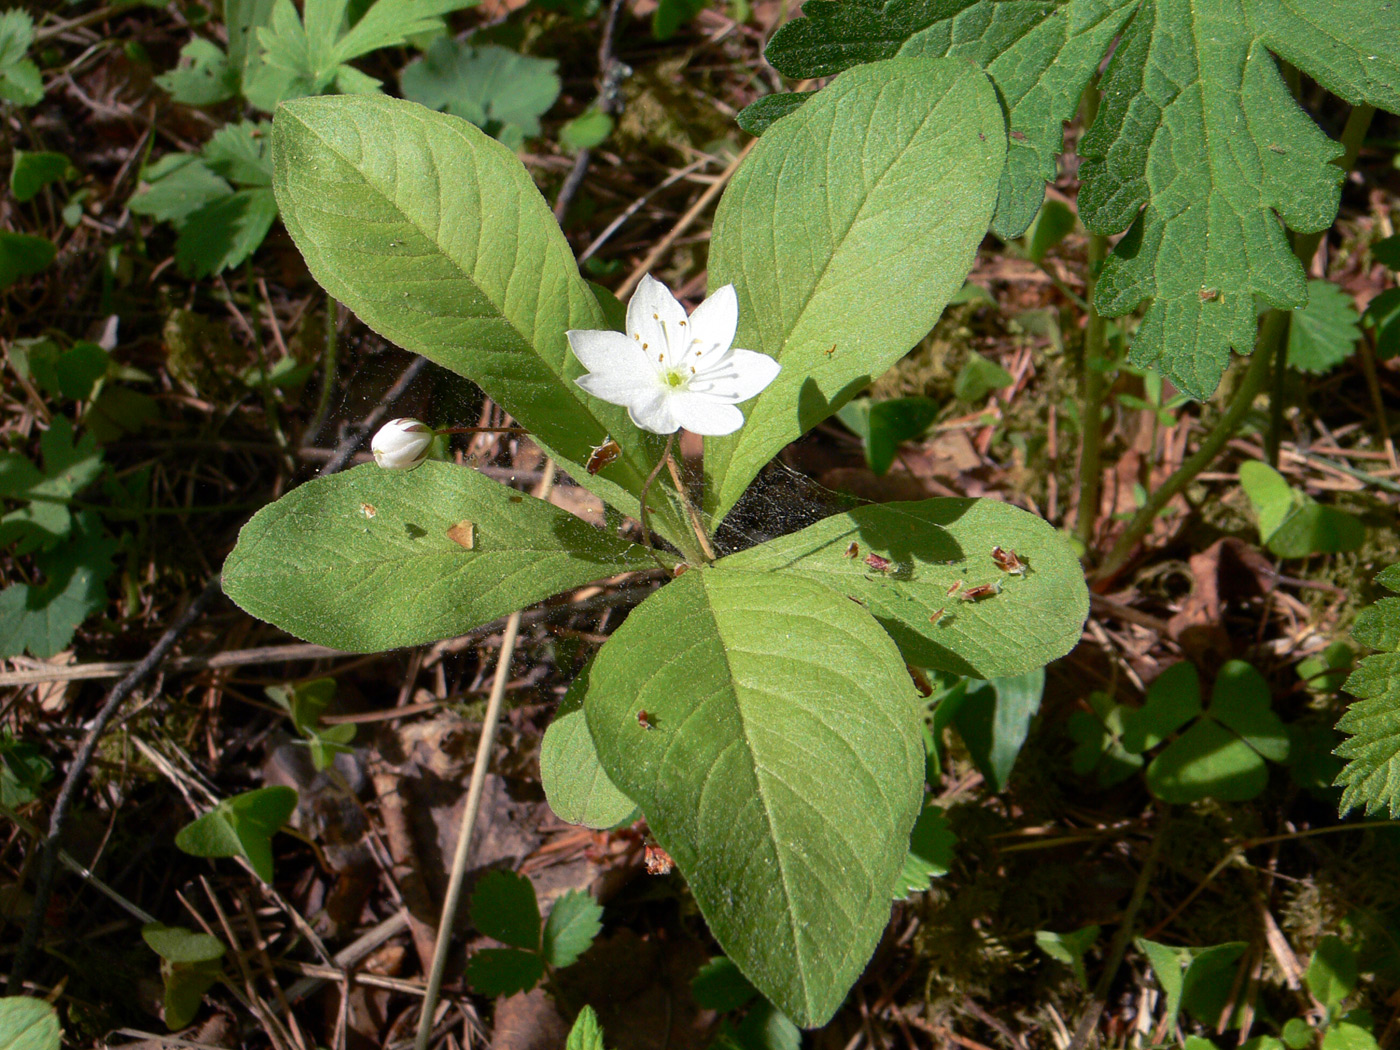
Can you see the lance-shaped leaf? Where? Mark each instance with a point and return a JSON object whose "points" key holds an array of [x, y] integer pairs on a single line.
{"points": [[782, 770], [845, 233], [433, 233], [939, 552], [363, 561], [1040, 56]]}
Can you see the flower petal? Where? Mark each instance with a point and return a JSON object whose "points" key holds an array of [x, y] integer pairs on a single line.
{"points": [[653, 411], [609, 352], [704, 415], [736, 377], [617, 388], [713, 323], [655, 321]]}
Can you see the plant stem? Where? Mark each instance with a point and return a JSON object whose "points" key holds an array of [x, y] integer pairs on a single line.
{"points": [[1096, 383], [328, 364], [1119, 945], [695, 523], [1096, 378], [646, 487], [472, 808], [1275, 327]]}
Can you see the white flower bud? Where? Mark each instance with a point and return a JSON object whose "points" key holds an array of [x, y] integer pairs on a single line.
{"points": [[402, 444]]}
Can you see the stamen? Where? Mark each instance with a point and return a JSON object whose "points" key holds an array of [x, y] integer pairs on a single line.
{"points": [[656, 317], [637, 336], [682, 324], [660, 358], [644, 345]]}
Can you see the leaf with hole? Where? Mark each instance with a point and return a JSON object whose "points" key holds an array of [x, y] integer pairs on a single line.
{"points": [[317, 565], [939, 549], [845, 232], [241, 826], [779, 709]]}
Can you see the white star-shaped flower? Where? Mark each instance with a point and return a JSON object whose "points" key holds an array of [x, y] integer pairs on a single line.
{"points": [[670, 371]]}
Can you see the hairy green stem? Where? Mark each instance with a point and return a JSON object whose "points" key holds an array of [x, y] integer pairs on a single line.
{"points": [[1274, 329], [1096, 384], [475, 790], [328, 364]]}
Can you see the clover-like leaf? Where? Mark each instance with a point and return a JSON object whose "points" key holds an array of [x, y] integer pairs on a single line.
{"points": [[930, 851], [241, 826], [845, 233], [28, 1024], [782, 769], [939, 552]]}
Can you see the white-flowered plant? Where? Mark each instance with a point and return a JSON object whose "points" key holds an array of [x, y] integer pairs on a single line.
{"points": [[402, 444], [670, 371], [757, 709]]}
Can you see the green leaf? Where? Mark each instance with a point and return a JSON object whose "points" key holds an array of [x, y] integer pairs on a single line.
{"points": [[1098, 742], [491, 86], [586, 1034], [239, 152], [758, 117], [1069, 948], [573, 922], [1371, 777], [1039, 55], [1346, 1036], [765, 1027], [180, 945], [1206, 170], [1383, 314], [845, 232], [392, 22], [670, 15], [1297, 1034], [1327, 671], [1332, 974], [177, 186], [204, 76], [588, 130], [241, 826], [472, 272], [1192, 977], [224, 233], [893, 422], [782, 772], [938, 548], [995, 720], [23, 771], [1198, 144], [362, 560], [930, 852], [503, 907], [22, 255], [1173, 699], [1207, 761], [720, 986], [19, 77], [25, 1023], [1293, 524], [1053, 223], [1324, 333], [1242, 701], [503, 971], [69, 467], [42, 618], [575, 784], [33, 171], [978, 377]]}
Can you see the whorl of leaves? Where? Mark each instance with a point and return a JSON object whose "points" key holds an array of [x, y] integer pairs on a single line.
{"points": [[1371, 777]]}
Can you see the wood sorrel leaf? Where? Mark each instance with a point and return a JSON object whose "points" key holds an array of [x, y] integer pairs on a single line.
{"points": [[782, 769], [433, 233], [939, 550], [845, 233], [362, 561]]}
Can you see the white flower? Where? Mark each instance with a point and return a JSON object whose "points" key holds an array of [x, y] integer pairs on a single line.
{"points": [[402, 444], [670, 371]]}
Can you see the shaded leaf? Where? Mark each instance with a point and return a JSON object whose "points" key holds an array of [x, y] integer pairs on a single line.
{"points": [[1371, 777], [720, 986], [1069, 948], [930, 852], [1207, 761], [503, 971], [995, 720], [758, 117], [241, 826], [33, 171], [493, 87], [23, 255], [1332, 973], [224, 233], [1324, 333], [1173, 699], [203, 77], [503, 907]]}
